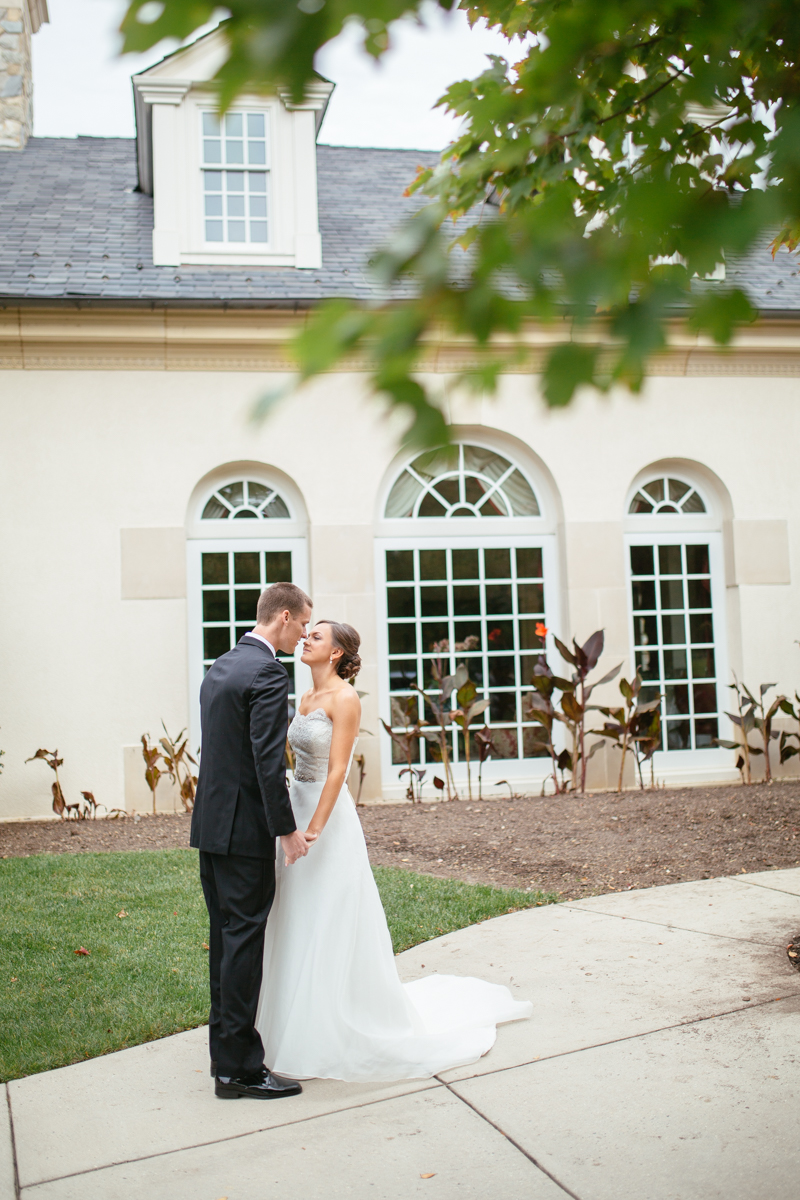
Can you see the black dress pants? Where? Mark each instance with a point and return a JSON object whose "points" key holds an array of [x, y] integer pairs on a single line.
{"points": [[239, 892]]}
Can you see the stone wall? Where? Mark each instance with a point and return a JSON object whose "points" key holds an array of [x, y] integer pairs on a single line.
{"points": [[17, 23]]}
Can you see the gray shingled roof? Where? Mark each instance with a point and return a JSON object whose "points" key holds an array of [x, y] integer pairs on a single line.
{"points": [[72, 227]]}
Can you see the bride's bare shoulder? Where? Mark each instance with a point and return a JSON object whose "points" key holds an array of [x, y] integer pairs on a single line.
{"points": [[345, 702]]}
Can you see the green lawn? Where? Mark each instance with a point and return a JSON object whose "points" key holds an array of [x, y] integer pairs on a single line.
{"points": [[146, 972]]}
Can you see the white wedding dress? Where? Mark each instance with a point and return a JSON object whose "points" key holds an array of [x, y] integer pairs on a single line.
{"points": [[332, 1005]]}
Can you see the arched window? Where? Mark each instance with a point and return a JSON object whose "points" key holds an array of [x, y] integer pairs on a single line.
{"points": [[470, 581], [676, 584], [461, 481], [667, 495], [245, 498], [230, 563]]}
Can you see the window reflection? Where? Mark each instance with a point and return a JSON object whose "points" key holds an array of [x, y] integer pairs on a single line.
{"points": [[670, 582]]}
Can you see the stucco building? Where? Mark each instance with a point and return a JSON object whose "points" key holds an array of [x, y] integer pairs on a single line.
{"points": [[148, 293]]}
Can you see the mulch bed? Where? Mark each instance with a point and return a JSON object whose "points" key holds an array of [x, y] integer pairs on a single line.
{"points": [[75, 837], [585, 845], [572, 845]]}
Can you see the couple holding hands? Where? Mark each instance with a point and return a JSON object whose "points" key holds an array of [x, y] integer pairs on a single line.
{"points": [[302, 970]]}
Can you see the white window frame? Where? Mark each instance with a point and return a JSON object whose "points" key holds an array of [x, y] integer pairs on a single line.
{"points": [[195, 548], [291, 189], [707, 764], [522, 774], [237, 248], [226, 527]]}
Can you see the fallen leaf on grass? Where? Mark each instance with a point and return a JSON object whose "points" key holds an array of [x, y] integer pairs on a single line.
{"points": [[205, 945], [82, 950], [429, 1175], [14, 979], [122, 913]]}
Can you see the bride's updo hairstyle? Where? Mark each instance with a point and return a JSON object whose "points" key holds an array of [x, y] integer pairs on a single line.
{"points": [[346, 639]]}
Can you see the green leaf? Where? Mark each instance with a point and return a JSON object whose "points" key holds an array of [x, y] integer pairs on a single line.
{"points": [[570, 707], [719, 314], [572, 180], [567, 368]]}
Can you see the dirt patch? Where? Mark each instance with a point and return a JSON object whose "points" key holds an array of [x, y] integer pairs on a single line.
{"points": [[579, 846], [575, 846], [80, 837]]}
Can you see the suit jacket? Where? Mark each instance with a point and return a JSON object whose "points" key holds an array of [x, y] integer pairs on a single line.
{"points": [[242, 801]]}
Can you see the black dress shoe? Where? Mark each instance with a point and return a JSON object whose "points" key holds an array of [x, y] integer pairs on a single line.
{"points": [[213, 1071], [265, 1086]]}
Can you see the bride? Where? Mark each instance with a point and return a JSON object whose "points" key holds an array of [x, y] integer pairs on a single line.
{"points": [[332, 1005]]}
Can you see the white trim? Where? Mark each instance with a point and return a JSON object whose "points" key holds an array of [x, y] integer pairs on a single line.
{"points": [[168, 115], [237, 253], [235, 530], [465, 527], [672, 522], [194, 607], [674, 767], [522, 774]]}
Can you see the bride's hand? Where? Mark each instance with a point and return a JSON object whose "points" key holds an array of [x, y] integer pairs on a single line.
{"points": [[310, 836]]}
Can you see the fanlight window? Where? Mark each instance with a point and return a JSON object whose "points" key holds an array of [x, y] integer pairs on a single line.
{"points": [[461, 481], [667, 495], [246, 500]]}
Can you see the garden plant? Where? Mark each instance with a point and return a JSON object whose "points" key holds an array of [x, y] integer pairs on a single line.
{"points": [[632, 726], [753, 715], [83, 808]]}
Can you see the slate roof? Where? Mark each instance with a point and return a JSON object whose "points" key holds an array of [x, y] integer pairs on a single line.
{"points": [[72, 227]]}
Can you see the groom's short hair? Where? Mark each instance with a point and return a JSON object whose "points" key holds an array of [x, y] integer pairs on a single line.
{"points": [[279, 597]]}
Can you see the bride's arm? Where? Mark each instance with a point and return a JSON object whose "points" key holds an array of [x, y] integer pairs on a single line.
{"points": [[346, 717]]}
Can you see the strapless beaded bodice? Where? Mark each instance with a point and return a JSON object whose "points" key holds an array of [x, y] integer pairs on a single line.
{"points": [[310, 739]]}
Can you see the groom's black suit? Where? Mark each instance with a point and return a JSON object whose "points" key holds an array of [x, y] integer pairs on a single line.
{"points": [[242, 805]]}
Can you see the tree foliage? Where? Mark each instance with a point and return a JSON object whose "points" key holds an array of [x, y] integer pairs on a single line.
{"points": [[604, 170]]}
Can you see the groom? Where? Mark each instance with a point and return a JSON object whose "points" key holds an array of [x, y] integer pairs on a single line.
{"points": [[242, 805]]}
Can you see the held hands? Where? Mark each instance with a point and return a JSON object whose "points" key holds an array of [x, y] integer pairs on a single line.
{"points": [[295, 845]]}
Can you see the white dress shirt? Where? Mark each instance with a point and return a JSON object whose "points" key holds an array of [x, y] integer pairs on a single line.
{"points": [[269, 645]]}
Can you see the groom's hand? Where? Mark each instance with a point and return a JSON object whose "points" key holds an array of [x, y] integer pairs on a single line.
{"points": [[294, 846]]}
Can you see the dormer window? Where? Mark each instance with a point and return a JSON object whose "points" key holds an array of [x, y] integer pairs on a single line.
{"points": [[231, 190], [235, 177]]}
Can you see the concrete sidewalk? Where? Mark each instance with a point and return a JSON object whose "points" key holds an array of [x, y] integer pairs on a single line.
{"points": [[661, 1064]]}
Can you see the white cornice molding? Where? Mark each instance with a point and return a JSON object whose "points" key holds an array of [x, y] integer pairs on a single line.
{"points": [[315, 100], [259, 340], [159, 91]]}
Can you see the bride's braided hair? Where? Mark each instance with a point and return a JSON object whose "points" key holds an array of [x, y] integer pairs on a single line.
{"points": [[346, 639]]}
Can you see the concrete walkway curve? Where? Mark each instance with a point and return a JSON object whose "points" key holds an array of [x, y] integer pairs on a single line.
{"points": [[661, 1064]]}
